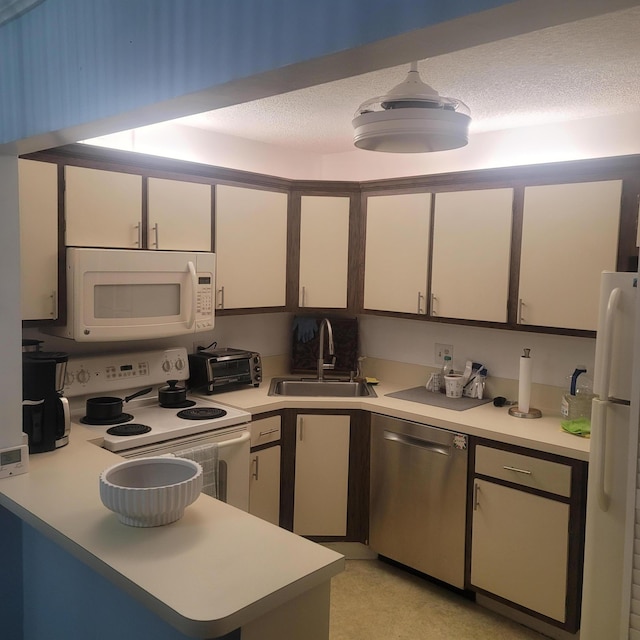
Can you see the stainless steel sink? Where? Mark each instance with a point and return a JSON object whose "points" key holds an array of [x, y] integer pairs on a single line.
{"points": [[327, 388]]}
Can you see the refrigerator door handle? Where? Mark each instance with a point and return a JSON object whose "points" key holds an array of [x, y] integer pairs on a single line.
{"points": [[606, 355], [599, 428]]}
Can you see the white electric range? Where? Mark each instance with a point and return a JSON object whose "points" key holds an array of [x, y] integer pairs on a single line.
{"points": [[145, 428]]}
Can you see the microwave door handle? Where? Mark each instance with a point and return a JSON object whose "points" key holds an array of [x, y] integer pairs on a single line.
{"points": [[194, 293]]}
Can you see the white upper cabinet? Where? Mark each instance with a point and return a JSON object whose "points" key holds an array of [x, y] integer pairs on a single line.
{"points": [[38, 184], [251, 247], [397, 252], [471, 254], [103, 208], [324, 251], [179, 215], [569, 236]]}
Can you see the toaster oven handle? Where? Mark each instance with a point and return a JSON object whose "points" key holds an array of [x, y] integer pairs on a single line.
{"points": [[194, 294]]}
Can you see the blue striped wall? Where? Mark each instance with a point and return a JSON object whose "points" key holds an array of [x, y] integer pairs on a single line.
{"points": [[69, 62]]}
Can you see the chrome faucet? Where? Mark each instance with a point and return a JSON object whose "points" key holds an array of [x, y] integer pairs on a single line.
{"points": [[321, 363]]}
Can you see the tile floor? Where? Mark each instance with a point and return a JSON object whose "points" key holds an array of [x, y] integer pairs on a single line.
{"points": [[372, 600]]}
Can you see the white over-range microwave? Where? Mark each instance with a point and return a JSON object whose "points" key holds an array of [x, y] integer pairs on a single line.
{"points": [[115, 294]]}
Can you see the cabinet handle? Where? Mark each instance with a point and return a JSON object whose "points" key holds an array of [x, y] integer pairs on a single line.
{"points": [[221, 303], [54, 303], [520, 305], [138, 228], [420, 297], [304, 296], [507, 468], [255, 468], [476, 491], [267, 433], [300, 429], [157, 236], [433, 304]]}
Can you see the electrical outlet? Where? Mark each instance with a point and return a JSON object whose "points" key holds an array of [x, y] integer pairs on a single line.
{"points": [[442, 350]]}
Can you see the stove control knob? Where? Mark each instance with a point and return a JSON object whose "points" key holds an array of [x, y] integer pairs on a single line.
{"points": [[179, 364], [166, 366], [83, 376]]}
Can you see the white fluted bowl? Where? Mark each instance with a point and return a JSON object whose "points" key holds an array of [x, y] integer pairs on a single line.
{"points": [[149, 492]]}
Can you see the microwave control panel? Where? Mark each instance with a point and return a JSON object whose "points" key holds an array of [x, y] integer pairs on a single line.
{"points": [[204, 302]]}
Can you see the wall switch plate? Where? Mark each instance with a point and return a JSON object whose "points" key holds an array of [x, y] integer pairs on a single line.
{"points": [[442, 350]]}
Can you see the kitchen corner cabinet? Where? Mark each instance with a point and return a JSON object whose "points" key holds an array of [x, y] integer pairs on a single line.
{"points": [[102, 208], [264, 481], [38, 202], [321, 475], [471, 247], [397, 252], [324, 251], [179, 215], [569, 236], [527, 532], [251, 247]]}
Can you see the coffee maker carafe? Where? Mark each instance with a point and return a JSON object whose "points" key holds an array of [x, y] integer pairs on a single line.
{"points": [[45, 411]]}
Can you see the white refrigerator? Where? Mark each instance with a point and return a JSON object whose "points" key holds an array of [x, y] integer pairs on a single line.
{"points": [[613, 459]]}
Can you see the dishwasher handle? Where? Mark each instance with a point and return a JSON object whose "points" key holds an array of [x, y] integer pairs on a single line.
{"points": [[412, 441]]}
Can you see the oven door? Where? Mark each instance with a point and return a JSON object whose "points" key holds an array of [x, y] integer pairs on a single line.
{"points": [[233, 460], [128, 295]]}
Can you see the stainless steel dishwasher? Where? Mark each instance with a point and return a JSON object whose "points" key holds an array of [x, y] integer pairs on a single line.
{"points": [[418, 497]]}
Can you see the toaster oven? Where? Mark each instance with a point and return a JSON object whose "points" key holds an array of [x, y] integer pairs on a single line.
{"points": [[224, 369]]}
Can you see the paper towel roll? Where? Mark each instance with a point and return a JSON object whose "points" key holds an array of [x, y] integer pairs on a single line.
{"points": [[524, 384]]}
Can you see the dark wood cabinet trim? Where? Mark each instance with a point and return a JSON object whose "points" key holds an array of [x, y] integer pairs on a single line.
{"points": [[358, 488]]}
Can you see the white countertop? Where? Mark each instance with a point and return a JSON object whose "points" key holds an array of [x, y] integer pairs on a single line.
{"points": [[228, 567], [486, 421], [212, 571]]}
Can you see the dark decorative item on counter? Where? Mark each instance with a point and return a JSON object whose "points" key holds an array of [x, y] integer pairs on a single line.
{"points": [[305, 344]]}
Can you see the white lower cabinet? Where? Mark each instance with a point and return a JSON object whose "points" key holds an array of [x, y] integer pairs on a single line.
{"points": [[264, 481], [321, 475], [527, 532], [264, 484], [520, 545]]}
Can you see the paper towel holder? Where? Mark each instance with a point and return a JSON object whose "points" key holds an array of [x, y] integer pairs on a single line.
{"points": [[515, 410], [532, 413]]}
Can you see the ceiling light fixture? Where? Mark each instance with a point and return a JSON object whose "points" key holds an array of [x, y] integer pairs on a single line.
{"points": [[412, 118]]}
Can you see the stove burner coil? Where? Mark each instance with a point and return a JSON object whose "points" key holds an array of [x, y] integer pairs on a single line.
{"points": [[123, 417], [129, 429], [201, 413]]}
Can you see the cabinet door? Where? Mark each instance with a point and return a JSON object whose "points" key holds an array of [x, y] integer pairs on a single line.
{"points": [[251, 247], [179, 215], [38, 184], [103, 208], [264, 484], [471, 254], [322, 475], [324, 251], [520, 547], [569, 236], [397, 252]]}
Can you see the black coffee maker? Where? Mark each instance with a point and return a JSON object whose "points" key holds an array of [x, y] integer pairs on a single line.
{"points": [[45, 411]]}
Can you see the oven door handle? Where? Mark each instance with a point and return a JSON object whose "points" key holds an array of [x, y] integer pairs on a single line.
{"points": [[235, 441]]}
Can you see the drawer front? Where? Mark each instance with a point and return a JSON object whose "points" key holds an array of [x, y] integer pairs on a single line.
{"points": [[265, 430], [524, 470]]}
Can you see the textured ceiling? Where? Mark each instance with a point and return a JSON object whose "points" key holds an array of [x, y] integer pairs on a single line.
{"points": [[577, 70]]}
